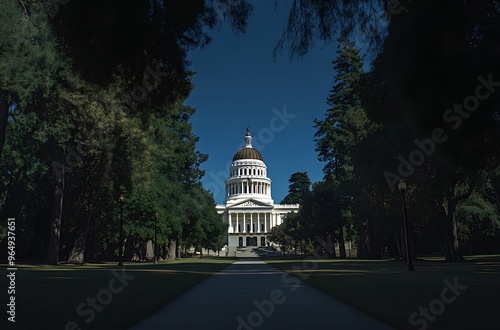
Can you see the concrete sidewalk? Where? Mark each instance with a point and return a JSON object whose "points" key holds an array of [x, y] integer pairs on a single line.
{"points": [[250, 294]]}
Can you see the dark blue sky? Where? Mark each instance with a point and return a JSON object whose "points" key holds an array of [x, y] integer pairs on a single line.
{"points": [[238, 84]]}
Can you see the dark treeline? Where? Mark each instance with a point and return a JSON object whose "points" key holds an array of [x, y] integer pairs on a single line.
{"points": [[91, 109], [426, 112]]}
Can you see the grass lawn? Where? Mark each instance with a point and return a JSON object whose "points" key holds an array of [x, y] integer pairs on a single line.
{"points": [[385, 290], [47, 296]]}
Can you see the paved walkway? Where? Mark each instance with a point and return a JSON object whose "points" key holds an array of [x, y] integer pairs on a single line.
{"points": [[250, 294]]}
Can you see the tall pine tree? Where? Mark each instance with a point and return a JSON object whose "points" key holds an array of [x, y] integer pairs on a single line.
{"points": [[346, 122]]}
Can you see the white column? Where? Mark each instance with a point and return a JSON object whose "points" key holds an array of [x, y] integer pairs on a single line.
{"points": [[251, 222], [230, 224], [237, 224], [258, 222]]}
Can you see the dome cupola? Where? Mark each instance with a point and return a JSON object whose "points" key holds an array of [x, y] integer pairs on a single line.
{"points": [[247, 152], [248, 176]]}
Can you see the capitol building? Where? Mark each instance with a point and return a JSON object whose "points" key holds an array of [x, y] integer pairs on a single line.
{"points": [[248, 207]]}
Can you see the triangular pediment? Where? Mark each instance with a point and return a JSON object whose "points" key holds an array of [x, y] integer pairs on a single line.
{"points": [[250, 203]]}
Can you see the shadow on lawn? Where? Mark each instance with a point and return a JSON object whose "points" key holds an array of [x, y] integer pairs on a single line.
{"points": [[387, 291], [48, 297], [333, 267]]}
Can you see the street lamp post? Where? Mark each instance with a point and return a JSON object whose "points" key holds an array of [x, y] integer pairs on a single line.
{"points": [[121, 200], [402, 189], [154, 247]]}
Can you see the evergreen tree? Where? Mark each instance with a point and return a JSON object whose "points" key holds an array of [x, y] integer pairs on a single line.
{"points": [[346, 122], [299, 187]]}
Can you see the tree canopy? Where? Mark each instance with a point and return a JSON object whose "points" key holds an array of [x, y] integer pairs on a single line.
{"points": [[91, 108]]}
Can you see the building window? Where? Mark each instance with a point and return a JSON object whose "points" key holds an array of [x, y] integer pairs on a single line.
{"points": [[248, 227], [240, 241], [262, 227], [262, 241]]}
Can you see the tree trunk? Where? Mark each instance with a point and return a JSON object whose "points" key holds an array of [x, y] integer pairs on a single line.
{"points": [[364, 242], [449, 227], [77, 255], [129, 249], [398, 239], [330, 247], [172, 249], [57, 208], [4, 115], [342, 253], [178, 250], [369, 243]]}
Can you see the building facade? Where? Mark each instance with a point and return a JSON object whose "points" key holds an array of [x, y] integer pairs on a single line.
{"points": [[248, 207]]}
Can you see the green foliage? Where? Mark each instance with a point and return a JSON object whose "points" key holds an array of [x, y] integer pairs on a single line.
{"points": [[279, 235], [346, 122], [299, 187], [68, 88], [477, 218]]}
